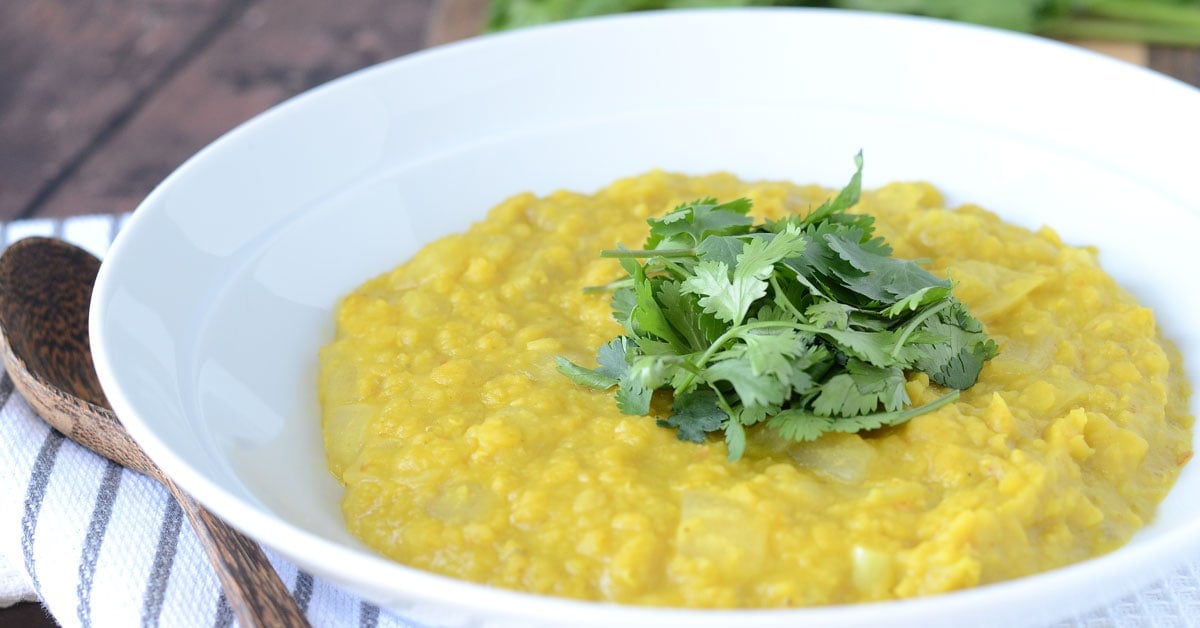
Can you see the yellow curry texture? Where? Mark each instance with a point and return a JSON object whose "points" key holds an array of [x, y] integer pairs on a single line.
{"points": [[464, 452]]}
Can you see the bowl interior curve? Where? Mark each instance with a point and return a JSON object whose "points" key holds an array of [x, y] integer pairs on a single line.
{"points": [[214, 301]]}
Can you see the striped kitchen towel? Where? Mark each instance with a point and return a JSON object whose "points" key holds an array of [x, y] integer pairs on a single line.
{"points": [[104, 546], [100, 545]]}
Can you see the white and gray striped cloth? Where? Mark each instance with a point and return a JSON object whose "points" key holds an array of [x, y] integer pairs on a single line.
{"points": [[104, 546], [100, 545]]}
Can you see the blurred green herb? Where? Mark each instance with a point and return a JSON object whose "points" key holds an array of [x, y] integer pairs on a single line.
{"points": [[1171, 22], [806, 323]]}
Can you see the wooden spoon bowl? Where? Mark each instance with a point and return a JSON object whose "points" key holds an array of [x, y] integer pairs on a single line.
{"points": [[45, 292]]}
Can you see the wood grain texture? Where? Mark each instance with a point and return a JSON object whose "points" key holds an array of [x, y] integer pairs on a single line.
{"points": [[45, 289], [253, 589], [1181, 63], [91, 426], [101, 100], [273, 50], [453, 20], [69, 70]]}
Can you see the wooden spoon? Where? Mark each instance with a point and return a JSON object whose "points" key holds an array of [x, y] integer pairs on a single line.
{"points": [[45, 291]]}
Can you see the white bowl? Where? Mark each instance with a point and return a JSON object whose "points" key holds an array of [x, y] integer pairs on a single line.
{"points": [[212, 304]]}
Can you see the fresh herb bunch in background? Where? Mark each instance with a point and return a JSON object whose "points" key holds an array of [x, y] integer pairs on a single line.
{"points": [[807, 324], [1172, 22]]}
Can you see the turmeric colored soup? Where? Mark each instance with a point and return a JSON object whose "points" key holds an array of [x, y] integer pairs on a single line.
{"points": [[464, 452]]}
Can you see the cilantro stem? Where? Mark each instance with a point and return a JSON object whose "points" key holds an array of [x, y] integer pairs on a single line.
{"points": [[915, 322], [680, 271], [781, 297], [645, 253], [800, 278], [730, 334], [723, 404], [901, 416], [608, 287]]}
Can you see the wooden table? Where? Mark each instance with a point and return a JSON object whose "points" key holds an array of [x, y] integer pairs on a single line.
{"points": [[99, 101]]}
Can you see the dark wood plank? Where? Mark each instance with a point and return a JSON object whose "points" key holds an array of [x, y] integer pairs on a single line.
{"points": [[69, 70], [274, 50], [1181, 63], [26, 615], [452, 20]]}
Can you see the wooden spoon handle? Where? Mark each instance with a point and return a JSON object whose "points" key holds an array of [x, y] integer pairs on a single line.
{"points": [[253, 589]]}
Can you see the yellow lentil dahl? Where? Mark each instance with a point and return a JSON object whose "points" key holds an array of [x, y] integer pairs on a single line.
{"points": [[464, 452]]}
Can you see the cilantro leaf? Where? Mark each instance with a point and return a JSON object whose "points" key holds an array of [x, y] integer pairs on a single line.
{"points": [[729, 298], [840, 397], [647, 314], [800, 425], [880, 277], [624, 299], [688, 224], [807, 323], [917, 300], [955, 362], [874, 347], [613, 358], [803, 425], [759, 255], [726, 298], [724, 249], [735, 438], [655, 371], [829, 314], [613, 361], [584, 376], [695, 415], [695, 327], [771, 354], [752, 390], [845, 199], [861, 389], [633, 397]]}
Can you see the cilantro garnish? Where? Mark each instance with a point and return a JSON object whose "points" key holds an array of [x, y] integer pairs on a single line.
{"points": [[807, 324]]}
